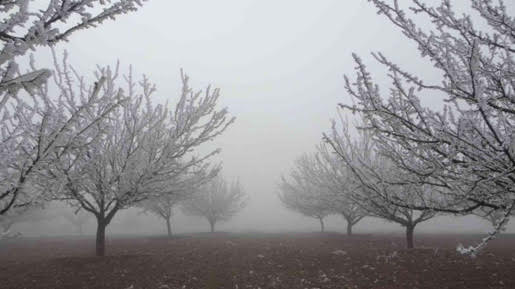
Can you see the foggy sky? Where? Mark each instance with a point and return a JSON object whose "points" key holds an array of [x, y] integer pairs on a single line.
{"points": [[279, 65]]}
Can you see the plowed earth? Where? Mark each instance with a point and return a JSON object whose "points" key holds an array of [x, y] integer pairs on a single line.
{"points": [[256, 261]]}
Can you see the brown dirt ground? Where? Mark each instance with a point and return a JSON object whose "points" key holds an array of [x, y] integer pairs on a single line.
{"points": [[256, 261]]}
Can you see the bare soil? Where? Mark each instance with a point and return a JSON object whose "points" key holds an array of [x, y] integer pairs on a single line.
{"points": [[256, 261]]}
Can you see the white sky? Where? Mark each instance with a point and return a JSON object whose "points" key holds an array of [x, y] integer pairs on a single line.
{"points": [[279, 65]]}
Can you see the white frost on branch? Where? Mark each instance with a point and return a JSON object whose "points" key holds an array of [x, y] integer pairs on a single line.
{"points": [[34, 128], [217, 200], [464, 154], [141, 151]]}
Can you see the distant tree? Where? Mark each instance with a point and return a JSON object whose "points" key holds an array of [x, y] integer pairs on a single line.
{"points": [[143, 149], [466, 151], [5, 232], [306, 203], [37, 128], [163, 205], [300, 193], [373, 187], [26, 214], [77, 219], [319, 187], [330, 172], [5, 224], [216, 201]]}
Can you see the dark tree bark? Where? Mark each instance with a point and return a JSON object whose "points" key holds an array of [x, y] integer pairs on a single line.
{"points": [[409, 236], [101, 237], [169, 227], [351, 219], [349, 228], [102, 222]]}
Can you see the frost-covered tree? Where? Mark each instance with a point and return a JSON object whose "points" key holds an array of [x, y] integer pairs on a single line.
{"points": [[143, 149], [466, 151], [319, 186], [39, 130], [36, 126], [378, 206], [330, 172], [27, 24], [492, 216], [217, 200], [163, 205], [300, 193], [373, 181], [304, 199]]}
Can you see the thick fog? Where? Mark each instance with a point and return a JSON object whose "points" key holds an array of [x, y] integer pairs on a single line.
{"points": [[280, 67]]}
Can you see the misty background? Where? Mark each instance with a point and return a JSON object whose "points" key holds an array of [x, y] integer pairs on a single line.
{"points": [[280, 67]]}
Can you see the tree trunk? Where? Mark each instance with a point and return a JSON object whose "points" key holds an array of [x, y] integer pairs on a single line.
{"points": [[409, 236], [212, 224], [349, 228], [322, 227], [101, 237], [169, 227]]}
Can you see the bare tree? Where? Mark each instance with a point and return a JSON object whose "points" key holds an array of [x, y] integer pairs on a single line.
{"points": [[163, 208], [36, 129], [40, 132], [301, 192], [144, 148], [374, 189], [466, 152], [351, 212], [376, 205], [304, 202], [332, 173], [216, 201], [319, 187], [163, 205]]}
